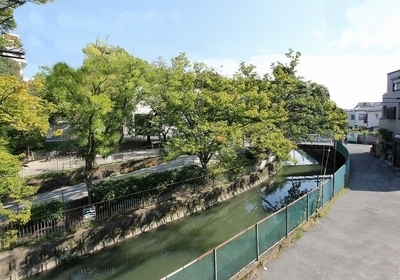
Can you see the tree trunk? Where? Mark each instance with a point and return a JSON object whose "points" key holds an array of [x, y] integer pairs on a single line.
{"points": [[89, 171], [89, 185]]}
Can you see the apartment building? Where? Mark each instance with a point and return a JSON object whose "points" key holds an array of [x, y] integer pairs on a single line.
{"points": [[391, 104]]}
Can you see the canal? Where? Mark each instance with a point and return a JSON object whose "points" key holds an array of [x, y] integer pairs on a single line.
{"points": [[157, 253]]}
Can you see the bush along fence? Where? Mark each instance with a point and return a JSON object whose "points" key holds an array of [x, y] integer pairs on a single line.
{"points": [[72, 217], [141, 191], [229, 258]]}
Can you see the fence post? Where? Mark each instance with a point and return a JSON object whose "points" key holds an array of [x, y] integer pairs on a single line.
{"points": [[215, 265], [333, 185], [66, 220], [322, 194], [257, 243], [308, 205], [287, 221]]}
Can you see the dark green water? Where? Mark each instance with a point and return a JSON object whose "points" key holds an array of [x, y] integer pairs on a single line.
{"points": [[159, 252]]}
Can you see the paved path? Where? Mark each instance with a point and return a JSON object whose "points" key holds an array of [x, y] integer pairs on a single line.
{"points": [[78, 191], [360, 236], [67, 163]]}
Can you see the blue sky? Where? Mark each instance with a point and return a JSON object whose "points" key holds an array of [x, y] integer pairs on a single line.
{"points": [[348, 46]]}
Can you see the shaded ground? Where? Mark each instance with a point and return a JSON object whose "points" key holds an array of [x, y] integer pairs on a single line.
{"points": [[359, 238]]}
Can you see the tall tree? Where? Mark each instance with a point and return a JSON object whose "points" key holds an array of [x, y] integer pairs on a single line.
{"points": [[97, 99], [19, 111], [218, 115], [161, 81], [27, 112], [307, 103], [22, 112]]}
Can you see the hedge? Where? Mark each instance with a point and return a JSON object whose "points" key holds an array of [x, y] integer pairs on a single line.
{"points": [[128, 185]]}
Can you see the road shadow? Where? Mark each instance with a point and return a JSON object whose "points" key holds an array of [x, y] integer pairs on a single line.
{"points": [[369, 173]]}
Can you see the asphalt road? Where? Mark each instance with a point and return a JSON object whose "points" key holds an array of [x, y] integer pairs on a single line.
{"points": [[360, 236], [79, 191]]}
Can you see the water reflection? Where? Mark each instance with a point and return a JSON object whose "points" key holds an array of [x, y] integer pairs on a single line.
{"points": [[155, 254], [299, 157], [159, 252], [280, 194]]}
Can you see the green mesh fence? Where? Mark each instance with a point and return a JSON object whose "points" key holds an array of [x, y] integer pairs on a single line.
{"points": [[297, 213], [312, 201], [327, 192], [340, 178], [201, 269], [241, 251], [271, 231], [236, 254], [342, 150]]}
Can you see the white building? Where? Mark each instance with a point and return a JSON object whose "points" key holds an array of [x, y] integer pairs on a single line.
{"points": [[364, 114], [391, 104]]}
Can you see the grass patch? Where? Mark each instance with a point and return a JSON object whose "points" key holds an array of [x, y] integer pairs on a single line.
{"points": [[324, 210], [298, 233]]}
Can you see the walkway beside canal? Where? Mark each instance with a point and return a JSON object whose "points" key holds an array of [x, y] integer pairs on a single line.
{"points": [[360, 236]]}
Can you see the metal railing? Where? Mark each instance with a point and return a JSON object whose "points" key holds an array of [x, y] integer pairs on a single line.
{"points": [[68, 163]]}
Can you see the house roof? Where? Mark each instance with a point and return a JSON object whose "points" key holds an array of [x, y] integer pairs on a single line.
{"points": [[393, 72], [374, 109]]}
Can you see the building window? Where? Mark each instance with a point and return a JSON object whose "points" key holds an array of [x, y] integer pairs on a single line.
{"points": [[396, 86], [391, 113], [362, 117], [352, 117]]}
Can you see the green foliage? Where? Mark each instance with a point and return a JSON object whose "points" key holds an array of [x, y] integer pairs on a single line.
{"points": [[306, 103], [48, 211], [9, 67], [215, 114], [384, 135], [145, 126], [128, 185], [97, 99], [8, 238], [12, 188], [7, 7]]}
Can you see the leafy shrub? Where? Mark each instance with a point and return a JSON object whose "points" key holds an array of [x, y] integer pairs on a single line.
{"points": [[128, 185], [48, 211]]}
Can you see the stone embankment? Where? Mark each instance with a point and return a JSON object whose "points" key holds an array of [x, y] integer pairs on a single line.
{"points": [[22, 263]]}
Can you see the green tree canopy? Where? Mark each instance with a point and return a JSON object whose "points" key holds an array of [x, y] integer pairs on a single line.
{"points": [[218, 115], [98, 99], [308, 105]]}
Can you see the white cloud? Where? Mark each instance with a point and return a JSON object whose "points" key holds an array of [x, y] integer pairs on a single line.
{"points": [[372, 23], [320, 32], [349, 79]]}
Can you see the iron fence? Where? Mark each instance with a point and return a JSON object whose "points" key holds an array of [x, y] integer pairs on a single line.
{"points": [[70, 162], [78, 213]]}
